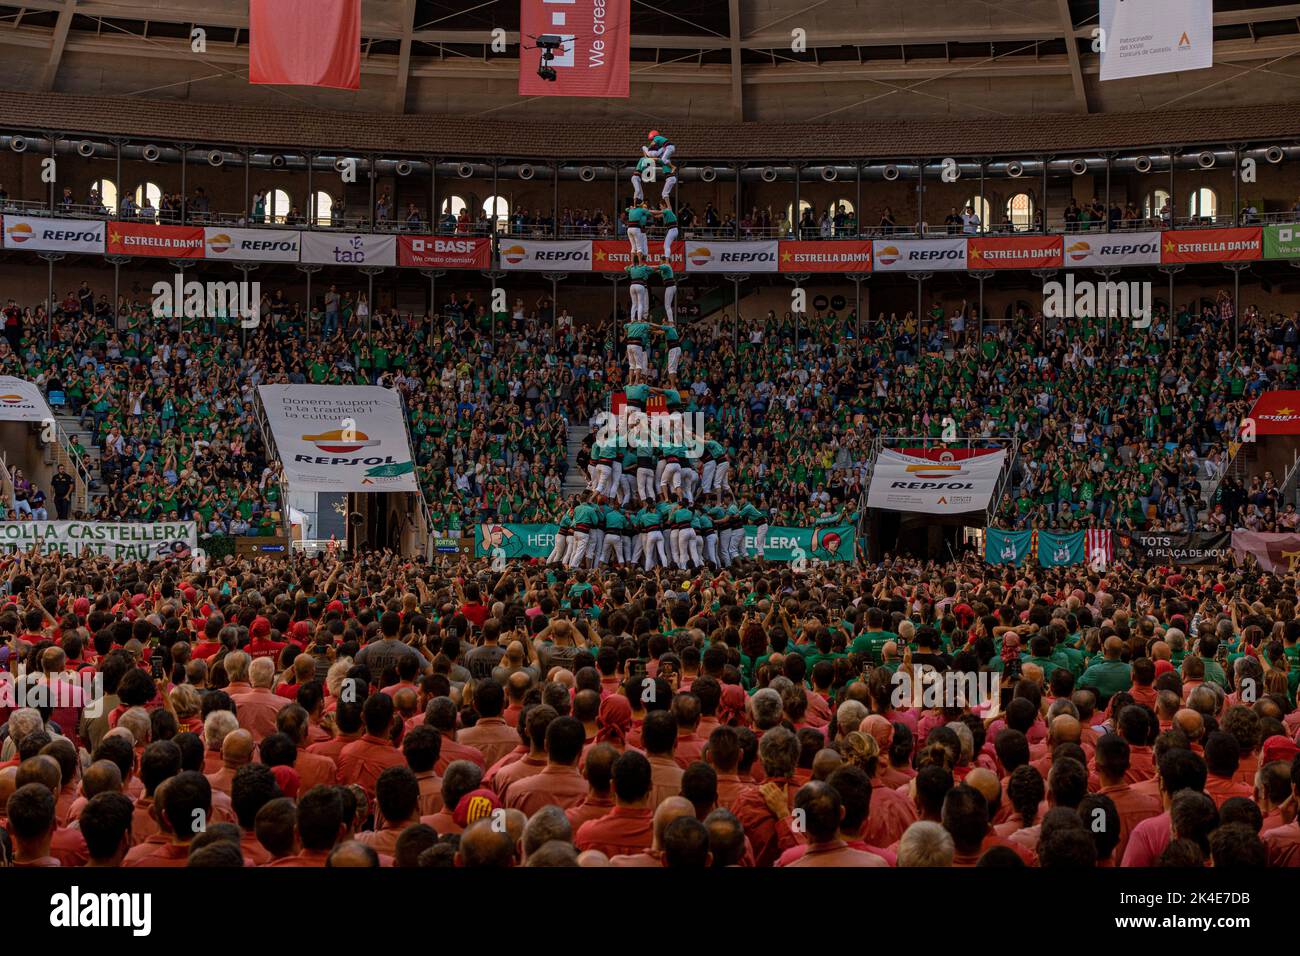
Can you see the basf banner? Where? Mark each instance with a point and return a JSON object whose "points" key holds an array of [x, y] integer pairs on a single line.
{"points": [[146, 239], [918, 255], [53, 235], [252, 245], [1142, 37], [121, 542], [715, 255], [529, 255], [1282, 242], [349, 249], [593, 58], [22, 401], [439, 252], [1116, 249], [908, 483], [340, 437]]}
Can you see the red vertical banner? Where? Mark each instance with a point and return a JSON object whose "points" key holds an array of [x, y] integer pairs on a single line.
{"points": [[593, 56], [305, 43]]}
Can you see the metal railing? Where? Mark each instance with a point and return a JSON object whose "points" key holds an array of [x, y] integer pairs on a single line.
{"points": [[614, 229]]}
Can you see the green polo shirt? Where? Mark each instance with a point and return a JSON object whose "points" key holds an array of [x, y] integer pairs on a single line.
{"points": [[1107, 678]]}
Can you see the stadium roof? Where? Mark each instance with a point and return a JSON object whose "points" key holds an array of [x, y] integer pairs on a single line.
{"points": [[455, 136], [706, 62]]}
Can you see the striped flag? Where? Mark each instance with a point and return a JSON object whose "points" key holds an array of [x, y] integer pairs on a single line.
{"points": [[1098, 549]]}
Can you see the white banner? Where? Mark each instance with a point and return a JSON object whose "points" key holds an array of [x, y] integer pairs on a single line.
{"points": [[53, 235], [910, 483], [1115, 249], [1142, 37], [340, 437], [22, 401], [251, 245], [713, 255], [530, 255], [918, 255], [349, 249], [123, 541]]}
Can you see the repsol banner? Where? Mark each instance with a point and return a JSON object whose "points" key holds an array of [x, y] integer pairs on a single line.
{"points": [[794, 545], [121, 541], [340, 437], [902, 482], [1176, 549]]}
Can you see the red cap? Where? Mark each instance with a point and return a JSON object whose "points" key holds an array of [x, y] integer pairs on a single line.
{"points": [[335, 605], [476, 805], [288, 780], [1164, 667], [1279, 747], [260, 627], [81, 606]]}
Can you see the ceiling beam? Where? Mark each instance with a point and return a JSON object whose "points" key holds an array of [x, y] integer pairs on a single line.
{"points": [[1072, 51], [737, 69], [57, 45], [404, 60]]}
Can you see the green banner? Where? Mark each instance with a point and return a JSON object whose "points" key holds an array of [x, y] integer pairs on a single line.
{"points": [[522, 541], [1056, 550], [1282, 242], [1007, 547]]}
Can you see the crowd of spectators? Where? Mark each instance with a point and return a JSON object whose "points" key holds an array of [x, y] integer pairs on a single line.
{"points": [[373, 712], [1116, 427]]}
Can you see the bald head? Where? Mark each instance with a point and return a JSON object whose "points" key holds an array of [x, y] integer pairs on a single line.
{"points": [[406, 700], [825, 763], [102, 776], [1160, 651], [518, 683], [986, 782], [561, 675], [1190, 722], [592, 858], [8, 784], [1065, 729], [304, 668], [42, 769], [237, 748], [352, 854], [671, 809], [483, 846], [1112, 648]]}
